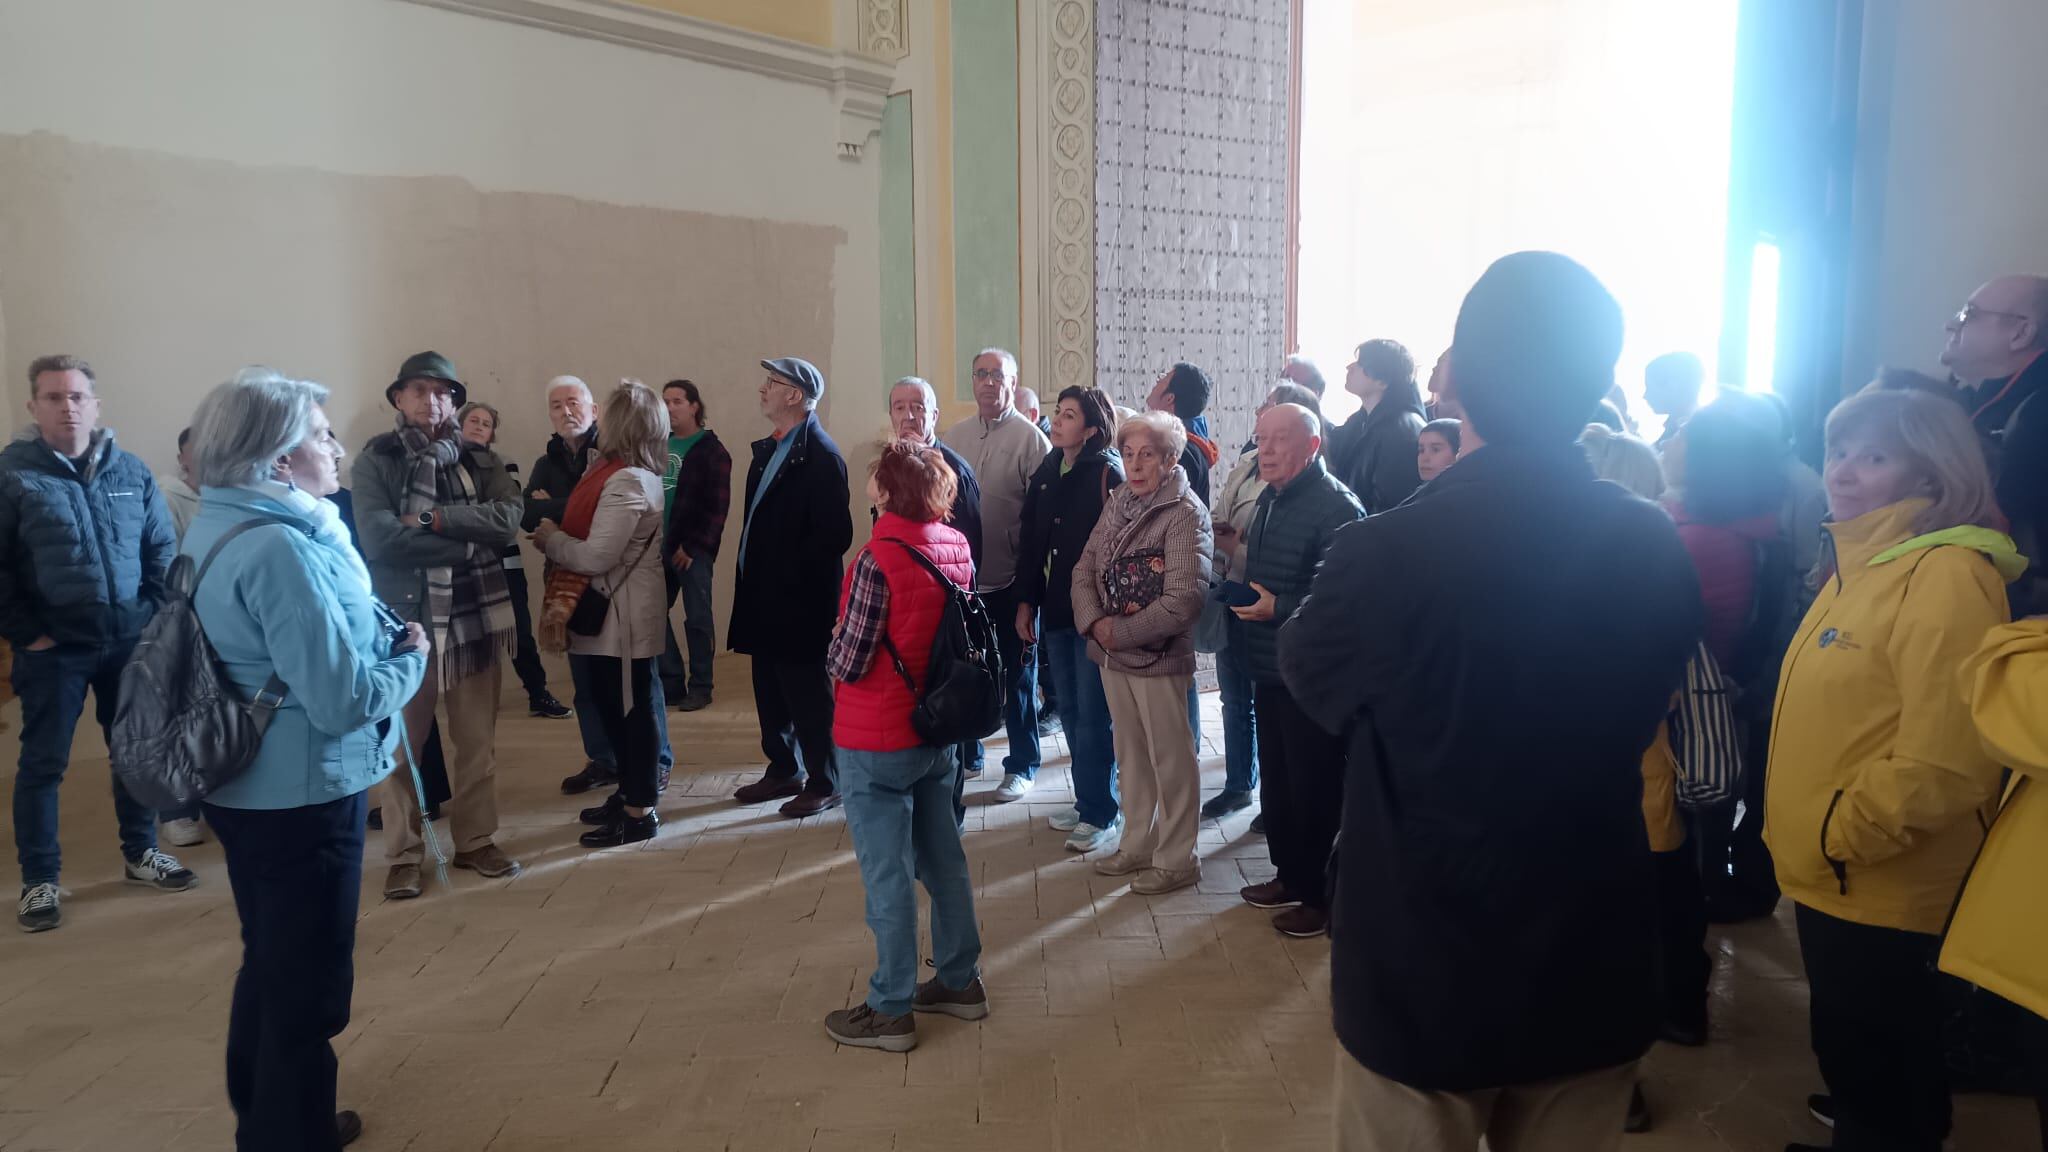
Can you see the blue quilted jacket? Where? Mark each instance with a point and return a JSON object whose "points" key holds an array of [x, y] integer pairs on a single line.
{"points": [[83, 556]]}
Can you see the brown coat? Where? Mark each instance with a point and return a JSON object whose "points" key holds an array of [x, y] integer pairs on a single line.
{"points": [[1158, 639]]}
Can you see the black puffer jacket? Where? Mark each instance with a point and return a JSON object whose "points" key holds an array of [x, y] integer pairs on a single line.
{"points": [[1059, 513], [1377, 460], [82, 557], [556, 473], [1290, 532]]}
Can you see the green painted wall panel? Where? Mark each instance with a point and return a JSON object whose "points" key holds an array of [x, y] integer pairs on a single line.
{"points": [[899, 240], [985, 269]]}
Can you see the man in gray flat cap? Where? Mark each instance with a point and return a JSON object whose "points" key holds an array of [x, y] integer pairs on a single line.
{"points": [[793, 544]]}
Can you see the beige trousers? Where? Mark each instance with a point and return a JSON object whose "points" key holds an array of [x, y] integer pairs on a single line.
{"points": [[471, 729], [1576, 1114], [1155, 754]]}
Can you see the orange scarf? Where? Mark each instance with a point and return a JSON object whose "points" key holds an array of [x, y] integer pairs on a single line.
{"points": [[565, 588]]}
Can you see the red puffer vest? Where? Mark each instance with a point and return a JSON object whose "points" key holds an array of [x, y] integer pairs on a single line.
{"points": [[872, 714]]}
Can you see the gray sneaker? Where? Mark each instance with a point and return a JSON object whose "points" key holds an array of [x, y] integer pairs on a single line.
{"points": [[862, 1027], [969, 1003], [39, 911], [160, 870]]}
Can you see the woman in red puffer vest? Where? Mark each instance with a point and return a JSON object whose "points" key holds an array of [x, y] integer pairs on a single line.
{"points": [[899, 791]]}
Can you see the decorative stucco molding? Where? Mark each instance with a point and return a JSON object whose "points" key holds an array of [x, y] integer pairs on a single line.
{"points": [[881, 28], [1069, 173], [858, 82]]}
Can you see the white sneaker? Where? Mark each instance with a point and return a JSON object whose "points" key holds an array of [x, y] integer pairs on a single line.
{"points": [[1013, 788], [1088, 838], [161, 870], [1065, 821], [184, 833]]}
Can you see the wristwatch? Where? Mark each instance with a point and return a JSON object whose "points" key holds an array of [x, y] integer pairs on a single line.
{"points": [[426, 520]]}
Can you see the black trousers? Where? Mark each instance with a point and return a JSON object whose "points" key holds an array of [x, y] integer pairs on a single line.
{"points": [[674, 682], [297, 874], [794, 699], [1301, 792], [1876, 1023], [1682, 930], [2034, 1040], [533, 676], [633, 725]]}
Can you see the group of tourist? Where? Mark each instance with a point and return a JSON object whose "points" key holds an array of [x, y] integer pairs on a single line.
{"points": [[1465, 636]]}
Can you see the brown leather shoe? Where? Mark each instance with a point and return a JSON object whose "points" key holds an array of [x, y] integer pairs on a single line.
{"points": [[810, 804], [402, 882], [489, 861], [768, 788], [1271, 894], [1303, 922]]}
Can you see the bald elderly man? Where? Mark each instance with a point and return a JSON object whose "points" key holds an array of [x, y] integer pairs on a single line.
{"points": [[1994, 352]]}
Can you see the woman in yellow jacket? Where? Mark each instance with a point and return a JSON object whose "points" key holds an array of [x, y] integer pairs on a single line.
{"points": [[1879, 789], [1999, 937]]}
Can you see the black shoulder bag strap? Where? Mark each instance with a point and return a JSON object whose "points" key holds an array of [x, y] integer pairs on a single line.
{"points": [[271, 696], [945, 582]]}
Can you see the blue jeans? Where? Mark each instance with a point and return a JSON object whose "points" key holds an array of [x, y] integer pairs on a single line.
{"points": [[1240, 722], [52, 685], [1084, 714], [1020, 679], [899, 806], [297, 875], [597, 742]]}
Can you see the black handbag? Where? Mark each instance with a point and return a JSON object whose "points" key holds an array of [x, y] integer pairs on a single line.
{"points": [[593, 608]]}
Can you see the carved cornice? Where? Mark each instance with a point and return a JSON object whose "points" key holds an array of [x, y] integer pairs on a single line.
{"points": [[859, 84]]}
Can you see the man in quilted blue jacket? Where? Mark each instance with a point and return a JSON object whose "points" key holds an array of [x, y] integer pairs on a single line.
{"points": [[85, 545]]}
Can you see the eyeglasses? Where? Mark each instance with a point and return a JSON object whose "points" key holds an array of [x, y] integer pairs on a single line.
{"points": [[1969, 312], [982, 374]]}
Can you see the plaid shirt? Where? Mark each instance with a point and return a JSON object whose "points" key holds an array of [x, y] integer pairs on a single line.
{"points": [[862, 624]]}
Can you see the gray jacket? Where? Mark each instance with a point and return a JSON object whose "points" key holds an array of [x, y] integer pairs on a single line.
{"points": [[1004, 455], [399, 551], [1168, 530]]}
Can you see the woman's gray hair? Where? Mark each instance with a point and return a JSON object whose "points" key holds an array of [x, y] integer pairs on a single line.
{"points": [[1168, 434], [244, 425]]}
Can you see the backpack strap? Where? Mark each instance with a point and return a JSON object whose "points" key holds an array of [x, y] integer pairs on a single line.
{"points": [[270, 697], [945, 582]]}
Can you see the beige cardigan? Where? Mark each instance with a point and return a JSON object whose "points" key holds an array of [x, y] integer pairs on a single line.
{"points": [[622, 557], [1158, 640]]}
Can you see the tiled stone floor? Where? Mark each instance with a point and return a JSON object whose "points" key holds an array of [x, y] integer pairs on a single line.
{"points": [[669, 996]]}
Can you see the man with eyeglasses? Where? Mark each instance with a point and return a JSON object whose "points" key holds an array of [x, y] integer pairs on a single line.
{"points": [[785, 598], [1004, 448], [1994, 354]]}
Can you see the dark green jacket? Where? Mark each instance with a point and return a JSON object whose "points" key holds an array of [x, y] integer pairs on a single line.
{"points": [[399, 551], [1290, 532]]}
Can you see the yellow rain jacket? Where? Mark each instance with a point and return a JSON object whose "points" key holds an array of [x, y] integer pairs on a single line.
{"points": [[1879, 791], [1660, 794], [1999, 939]]}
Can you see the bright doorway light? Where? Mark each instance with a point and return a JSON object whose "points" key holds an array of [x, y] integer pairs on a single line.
{"points": [[1762, 362], [1439, 137]]}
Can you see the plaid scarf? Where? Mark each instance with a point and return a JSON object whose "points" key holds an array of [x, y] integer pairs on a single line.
{"points": [[469, 610]]}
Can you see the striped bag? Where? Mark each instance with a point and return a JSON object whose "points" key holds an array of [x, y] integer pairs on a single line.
{"points": [[1704, 739]]}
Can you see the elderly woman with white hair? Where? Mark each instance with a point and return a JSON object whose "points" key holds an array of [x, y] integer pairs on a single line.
{"points": [[1137, 592], [282, 593]]}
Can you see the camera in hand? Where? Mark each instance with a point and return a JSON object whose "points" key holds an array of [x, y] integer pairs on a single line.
{"points": [[393, 625]]}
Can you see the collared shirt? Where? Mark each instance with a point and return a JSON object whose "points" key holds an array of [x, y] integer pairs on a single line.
{"points": [[862, 624], [775, 459]]}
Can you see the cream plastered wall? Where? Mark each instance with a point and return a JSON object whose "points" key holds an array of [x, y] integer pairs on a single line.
{"points": [[328, 185]]}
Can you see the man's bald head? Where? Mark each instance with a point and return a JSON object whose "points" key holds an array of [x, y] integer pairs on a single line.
{"points": [[1289, 438], [2000, 330]]}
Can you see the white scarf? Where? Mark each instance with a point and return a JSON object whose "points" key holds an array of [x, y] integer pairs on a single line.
{"points": [[325, 517]]}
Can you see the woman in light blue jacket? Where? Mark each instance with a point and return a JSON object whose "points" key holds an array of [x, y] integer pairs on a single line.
{"points": [[291, 597]]}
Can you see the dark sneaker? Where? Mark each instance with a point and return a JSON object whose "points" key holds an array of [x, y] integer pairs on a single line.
{"points": [[376, 821], [1224, 803], [1638, 1119], [1048, 725], [1821, 1107], [1259, 824], [810, 804], [546, 707], [1303, 922], [605, 812], [594, 775], [1687, 1032], [1271, 894], [863, 1027], [696, 700], [488, 861], [969, 1003], [38, 910], [769, 788], [623, 829], [161, 871], [348, 1128], [661, 775]]}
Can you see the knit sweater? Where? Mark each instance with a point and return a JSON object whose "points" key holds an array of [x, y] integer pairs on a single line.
{"points": [[1004, 454]]}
